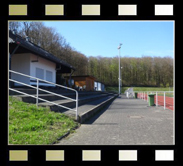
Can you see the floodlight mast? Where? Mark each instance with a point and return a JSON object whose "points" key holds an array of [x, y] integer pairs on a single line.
{"points": [[119, 69]]}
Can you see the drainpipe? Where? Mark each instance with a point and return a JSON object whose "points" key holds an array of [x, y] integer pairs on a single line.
{"points": [[10, 56]]}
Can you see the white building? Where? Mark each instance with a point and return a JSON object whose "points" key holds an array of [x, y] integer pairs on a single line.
{"points": [[27, 58], [98, 86]]}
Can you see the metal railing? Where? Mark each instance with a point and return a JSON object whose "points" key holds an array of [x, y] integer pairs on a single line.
{"points": [[161, 98], [37, 91]]}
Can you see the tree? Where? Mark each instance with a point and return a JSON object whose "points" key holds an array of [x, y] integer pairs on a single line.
{"points": [[144, 71], [13, 25]]}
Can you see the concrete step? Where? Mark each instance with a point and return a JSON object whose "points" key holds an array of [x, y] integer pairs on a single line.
{"points": [[88, 104], [72, 104], [55, 90], [52, 97], [25, 90], [89, 109]]}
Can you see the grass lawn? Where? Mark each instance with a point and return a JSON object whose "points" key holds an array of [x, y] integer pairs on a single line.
{"points": [[140, 89], [152, 89], [29, 124]]}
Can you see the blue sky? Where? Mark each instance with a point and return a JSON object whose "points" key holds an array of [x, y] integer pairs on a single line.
{"points": [[102, 38]]}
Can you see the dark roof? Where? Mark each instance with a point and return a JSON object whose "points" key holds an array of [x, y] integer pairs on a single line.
{"points": [[31, 47]]}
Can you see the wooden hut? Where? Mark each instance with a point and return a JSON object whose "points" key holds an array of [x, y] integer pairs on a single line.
{"points": [[85, 82]]}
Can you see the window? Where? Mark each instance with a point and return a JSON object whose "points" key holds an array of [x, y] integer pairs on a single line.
{"points": [[49, 76], [39, 73]]}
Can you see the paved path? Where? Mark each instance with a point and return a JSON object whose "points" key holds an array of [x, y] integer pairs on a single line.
{"points": [[126, 122]]}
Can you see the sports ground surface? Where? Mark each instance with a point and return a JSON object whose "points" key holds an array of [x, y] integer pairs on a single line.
{"points": [[169, 101], [126, 122]]}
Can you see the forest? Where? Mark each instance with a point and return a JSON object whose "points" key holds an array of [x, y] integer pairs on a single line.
{"points": [[144, 71]]}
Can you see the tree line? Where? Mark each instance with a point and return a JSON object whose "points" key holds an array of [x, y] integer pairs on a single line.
{"points": [[143, 71]]}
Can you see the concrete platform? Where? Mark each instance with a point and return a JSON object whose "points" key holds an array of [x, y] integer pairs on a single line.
{"points": [[126, 122], [89, 109]]}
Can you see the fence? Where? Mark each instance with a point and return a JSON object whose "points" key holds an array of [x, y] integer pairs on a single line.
{"points": [[161, 98], [38, 88]]}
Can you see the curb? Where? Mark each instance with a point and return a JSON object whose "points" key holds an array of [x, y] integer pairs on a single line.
{"points": [[65, 135], [85, 116]]}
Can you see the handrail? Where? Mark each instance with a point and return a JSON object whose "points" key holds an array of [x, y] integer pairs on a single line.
{"points": [[37, 88], [42, 80], [41, 99], [57, 94]]}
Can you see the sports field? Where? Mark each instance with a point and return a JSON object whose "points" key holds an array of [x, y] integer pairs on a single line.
{"points": [[160, 100], [169, 97], [110, 88]]}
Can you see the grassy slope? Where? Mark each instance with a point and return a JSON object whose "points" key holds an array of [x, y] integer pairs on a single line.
{"points": [[31, 125]]}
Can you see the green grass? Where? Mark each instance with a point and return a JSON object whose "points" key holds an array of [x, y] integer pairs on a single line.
{"points": [[29, 124], [152, 89], [115, 89]]}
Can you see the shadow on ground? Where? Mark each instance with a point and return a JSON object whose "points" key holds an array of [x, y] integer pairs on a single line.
{"points": [[98, 114]]}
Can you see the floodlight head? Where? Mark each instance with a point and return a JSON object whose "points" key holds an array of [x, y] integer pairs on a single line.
{"points": [[119, 45]]}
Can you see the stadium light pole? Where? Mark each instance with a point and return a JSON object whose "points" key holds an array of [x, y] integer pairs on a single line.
{"points": [[121, 78], [119, 69]]}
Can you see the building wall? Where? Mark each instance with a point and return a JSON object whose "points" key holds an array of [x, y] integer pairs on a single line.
{"points": [[98, 86], [20, 63], [81, 81], [42, 66], [89, 84], [23, 63], [103, 87]]}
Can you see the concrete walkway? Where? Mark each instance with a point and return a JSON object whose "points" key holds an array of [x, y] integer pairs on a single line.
{"points": [[126, 122]]}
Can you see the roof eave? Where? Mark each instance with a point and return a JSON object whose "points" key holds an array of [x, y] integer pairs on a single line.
{"points": [[15, 39]]}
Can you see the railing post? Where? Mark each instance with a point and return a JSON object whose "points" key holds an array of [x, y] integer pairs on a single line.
{"points": [[76, 105], [164, 102], [147, 96], [156, 99], [143, 96], [37, 92]]}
